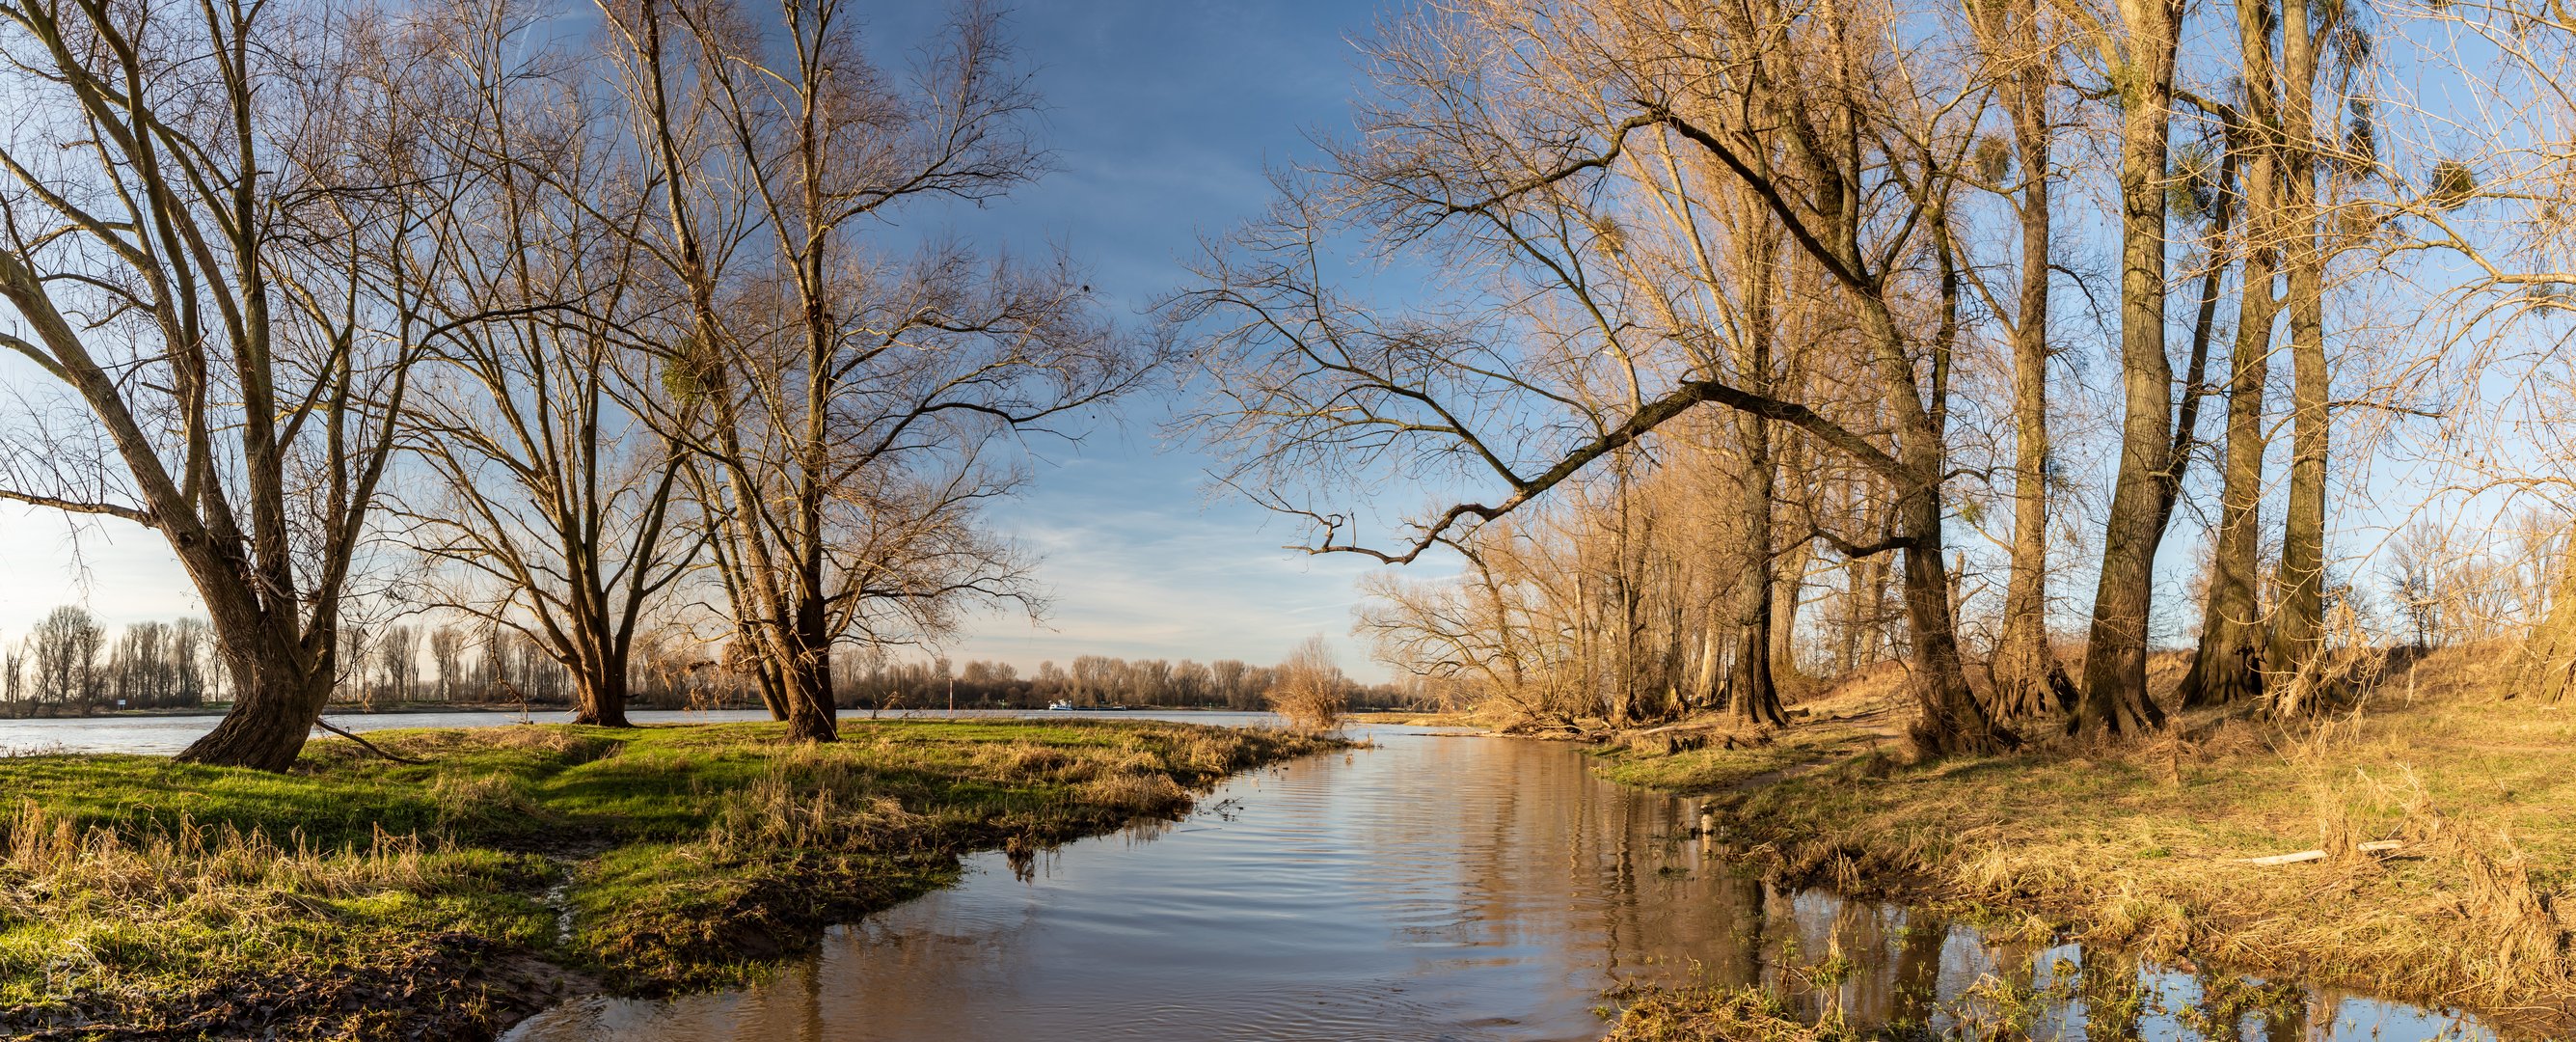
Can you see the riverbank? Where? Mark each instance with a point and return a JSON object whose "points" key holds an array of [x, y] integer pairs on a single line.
{"points": [[362, 898], [2144, 846]]}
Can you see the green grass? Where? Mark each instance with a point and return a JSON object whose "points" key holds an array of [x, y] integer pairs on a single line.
{"points": [[358, 897]]}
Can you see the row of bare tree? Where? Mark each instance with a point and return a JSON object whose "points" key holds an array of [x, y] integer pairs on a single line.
{"points": [[1100, 680], [1716, 306], [445, 306], [67, 665]]}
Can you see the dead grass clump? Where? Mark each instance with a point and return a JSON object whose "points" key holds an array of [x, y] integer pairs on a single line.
{"points": [[54, 856], [2524, 937], [1025, 760], [481, 797], [1135, 793], [1210, 753], [812, 800], [1718, 1015], [2484, 671]]}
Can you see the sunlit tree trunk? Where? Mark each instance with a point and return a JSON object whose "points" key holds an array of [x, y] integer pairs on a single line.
{"points": [[1757, 697], [2115, 696], [2299, 613], [2011, 38], [2227, 665]]}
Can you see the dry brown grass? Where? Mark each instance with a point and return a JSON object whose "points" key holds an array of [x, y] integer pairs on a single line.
{"points": [[1719, 1015], [2137, 845], [42, 852]]}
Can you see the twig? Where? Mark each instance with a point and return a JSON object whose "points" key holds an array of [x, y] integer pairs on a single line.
{"points": [[369, 746]]}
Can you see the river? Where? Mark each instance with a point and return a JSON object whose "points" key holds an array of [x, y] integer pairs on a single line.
{"points": [[1434, 886], [162, 735]]}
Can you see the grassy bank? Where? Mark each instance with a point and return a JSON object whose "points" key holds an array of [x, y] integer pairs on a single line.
{"points": [[361, 898], [1731, 1014], [2140, 846]]}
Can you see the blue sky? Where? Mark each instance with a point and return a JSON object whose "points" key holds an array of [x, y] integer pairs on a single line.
{"points": [[1163, 115]]}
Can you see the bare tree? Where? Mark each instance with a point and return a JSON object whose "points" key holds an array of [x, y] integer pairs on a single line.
{"points": [[2227, 665], [1548, 172], [849, 397], [206, 212], [447, 656], [2013, 40], [551, 500], [2307, 31], [63, 651], [2140, 56], [1308, 689]]}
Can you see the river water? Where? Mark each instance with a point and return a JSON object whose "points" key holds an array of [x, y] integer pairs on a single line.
{"points": [[163, 735], [1431, 887]]}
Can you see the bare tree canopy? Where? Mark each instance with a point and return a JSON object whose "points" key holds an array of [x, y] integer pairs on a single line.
{"points": [[1621, 188], [839, 393], [211, 219]]}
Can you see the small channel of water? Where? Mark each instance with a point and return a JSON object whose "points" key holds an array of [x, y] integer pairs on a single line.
{"points": [[1432, 887]]}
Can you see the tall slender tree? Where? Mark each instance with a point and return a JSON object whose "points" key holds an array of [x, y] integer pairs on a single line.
{"points": [[2140, 52]]}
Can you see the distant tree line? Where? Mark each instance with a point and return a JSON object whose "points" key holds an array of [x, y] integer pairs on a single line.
{"points": [[68, 666], [1092, 680]]}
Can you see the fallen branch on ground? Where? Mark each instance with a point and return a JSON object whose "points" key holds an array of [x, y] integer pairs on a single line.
{"points": [[363, 743], [2374, 847]]}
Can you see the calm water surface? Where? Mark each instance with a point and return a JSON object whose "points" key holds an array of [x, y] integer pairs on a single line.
{"points": [[1432, 887]]}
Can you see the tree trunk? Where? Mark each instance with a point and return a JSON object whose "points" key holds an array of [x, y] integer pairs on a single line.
{"points": [[1788, 588], [1869, 607], [2022, 655], [276, 699], [600, 697], [2115, 656], [1757, 698], [2228, 665], [811, 713], [1951, 722], [2298, 620]]}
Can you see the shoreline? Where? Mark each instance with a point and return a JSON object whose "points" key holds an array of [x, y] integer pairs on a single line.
{"points": [[2144, 847], [848, 713], [524, 867]]}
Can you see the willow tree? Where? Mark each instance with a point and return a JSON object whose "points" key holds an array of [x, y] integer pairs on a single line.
{"points": [[210, 212], [1539, 142], [845, 385]]}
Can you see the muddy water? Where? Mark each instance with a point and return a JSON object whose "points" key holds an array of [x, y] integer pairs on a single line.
{"points": [[1433, 887]]}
